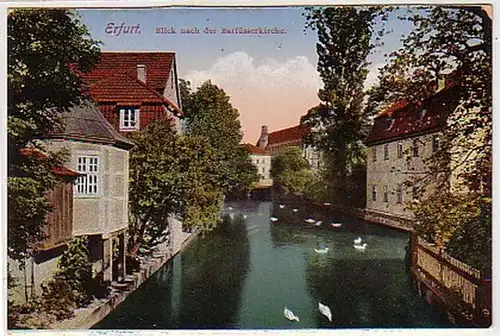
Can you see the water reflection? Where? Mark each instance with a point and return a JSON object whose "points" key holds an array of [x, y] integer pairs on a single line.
{"points": [[212, 282], [246, 272]]}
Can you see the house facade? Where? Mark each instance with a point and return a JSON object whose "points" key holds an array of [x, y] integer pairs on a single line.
{"points": [[403, 137], [100, 156], [262, 160], [132, 89], [276, 141]]}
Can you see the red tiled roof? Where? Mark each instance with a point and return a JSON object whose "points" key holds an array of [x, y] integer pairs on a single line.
{"points": [[254, 149], [114, 79], [407, 120], [295, 133], [158, 66], [58, 170]]}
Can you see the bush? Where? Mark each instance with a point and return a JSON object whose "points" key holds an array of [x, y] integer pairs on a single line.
{"points": [[75, 269]]}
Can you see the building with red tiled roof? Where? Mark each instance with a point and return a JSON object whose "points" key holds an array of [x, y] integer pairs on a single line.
{"points": [[133, 89], [261, 158], [276, 141], [401, 139]]}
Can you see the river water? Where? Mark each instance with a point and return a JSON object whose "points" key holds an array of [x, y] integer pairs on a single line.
{"points": [[243, 275]]}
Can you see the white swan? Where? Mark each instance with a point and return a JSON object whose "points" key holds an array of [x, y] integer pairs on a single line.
{"points": [[229, 208], [357, 241], [290, 315], [361, 247], [310, 220], [274, 219], [325, 310], [295, 210], [282, 206], [326, 203], [318, 223], [245, 216], [322, 251], [336, 225]]}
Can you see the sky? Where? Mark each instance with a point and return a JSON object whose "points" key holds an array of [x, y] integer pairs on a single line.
{"points": [[271, 78]]}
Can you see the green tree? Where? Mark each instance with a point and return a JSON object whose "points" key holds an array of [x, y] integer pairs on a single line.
{"points": [[290, 158], [346, 36], [209, 114], [46, 49], [246, 173], [291, 172], [448, 42], [171, 175]]}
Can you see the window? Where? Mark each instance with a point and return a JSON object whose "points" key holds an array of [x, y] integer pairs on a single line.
{"points": [[257, 161], [87, 182], [129, 119], [415, 148], [374, 154], [400, 150], [386, 152], [374, 192], [263, 169], [435, 143], [399, 194], [386, 194]]}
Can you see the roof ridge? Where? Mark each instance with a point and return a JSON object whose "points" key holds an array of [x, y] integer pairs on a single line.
{"points": [[287, 128]]}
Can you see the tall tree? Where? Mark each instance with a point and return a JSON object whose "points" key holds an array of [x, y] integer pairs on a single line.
{"points": [[345, 39], [45, 47], [171, 175], [209, 114], [448, 43]]}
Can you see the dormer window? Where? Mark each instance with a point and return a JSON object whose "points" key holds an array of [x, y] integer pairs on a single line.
{"points": [[390, 123], [129, 119]]}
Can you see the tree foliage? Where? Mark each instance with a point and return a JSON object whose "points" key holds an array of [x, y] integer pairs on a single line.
{"points": [[45, 47], [448, 43], [346, 36], [209, 114], [291, 172], [171, 175]]}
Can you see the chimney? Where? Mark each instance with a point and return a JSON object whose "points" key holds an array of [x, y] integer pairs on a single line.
{"points": [[141, 72], [263, 137]]}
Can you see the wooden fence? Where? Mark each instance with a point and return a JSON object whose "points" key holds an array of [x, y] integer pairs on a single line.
{"points": [[462, 289]]}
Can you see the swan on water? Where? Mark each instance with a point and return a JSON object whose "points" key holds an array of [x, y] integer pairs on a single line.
{"points": [[336, 225], [361, 247], [326, 203], [310, 220], [295, 210], [274, 219], [290, 315], [322, 251], [357, 241], [318, 223], [325, 310], [282, 206]]}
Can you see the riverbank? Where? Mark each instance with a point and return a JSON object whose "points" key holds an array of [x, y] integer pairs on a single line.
{"points": [[87, 317]]}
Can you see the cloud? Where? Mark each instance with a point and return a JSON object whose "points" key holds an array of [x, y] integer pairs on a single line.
{"points": [[372, 77], [265, 93]]}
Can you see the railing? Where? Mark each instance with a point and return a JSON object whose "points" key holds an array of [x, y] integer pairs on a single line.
{"points": [[458, 284]]}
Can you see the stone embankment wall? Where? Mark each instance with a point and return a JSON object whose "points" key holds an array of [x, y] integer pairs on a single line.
{"points": [[87, 317]]}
